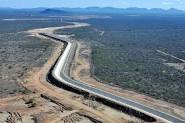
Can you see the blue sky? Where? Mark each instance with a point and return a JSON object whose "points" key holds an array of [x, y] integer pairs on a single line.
{"points": [[165, 4]]}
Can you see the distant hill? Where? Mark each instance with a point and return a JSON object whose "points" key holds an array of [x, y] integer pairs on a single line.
{"points": [[92, 10], [53, 11], [125, 10]]}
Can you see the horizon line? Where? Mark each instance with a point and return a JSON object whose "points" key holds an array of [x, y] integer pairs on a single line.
{"points": [[90, 7]]}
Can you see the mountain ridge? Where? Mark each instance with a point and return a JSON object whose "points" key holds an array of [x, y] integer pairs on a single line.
{"points": [[104, 10]]}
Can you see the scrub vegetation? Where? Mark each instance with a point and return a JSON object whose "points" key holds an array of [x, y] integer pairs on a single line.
{"points": [[125, 53], [20, 51]]}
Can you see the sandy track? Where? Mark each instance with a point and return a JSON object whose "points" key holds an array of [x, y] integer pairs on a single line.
{"points": [[50, 30], [172, 56]]}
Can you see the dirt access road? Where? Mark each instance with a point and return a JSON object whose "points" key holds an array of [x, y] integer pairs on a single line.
{"points": [[49, 104]]}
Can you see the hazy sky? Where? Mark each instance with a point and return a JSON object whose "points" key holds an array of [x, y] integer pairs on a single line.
{"points": [[179, 4]]}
